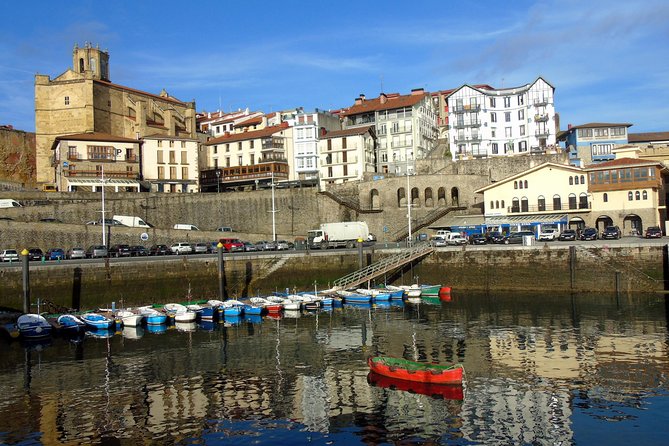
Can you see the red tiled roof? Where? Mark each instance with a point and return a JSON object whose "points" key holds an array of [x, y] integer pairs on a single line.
{"points": [[347, 132], [122, 87], [253, 121], [621, 162], [245, 136], [648, 137], [95, 136], [393, 100]]}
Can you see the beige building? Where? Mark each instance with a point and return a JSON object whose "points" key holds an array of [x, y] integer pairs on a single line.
{"points": [[84, 100], [86, 161], [248, 159], [346, 155], [170, 164]]}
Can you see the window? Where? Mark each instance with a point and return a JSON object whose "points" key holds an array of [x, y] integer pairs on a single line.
{"points": [[227, 161], [585, 133], [572, 201], [637, 195], [541, 203], [524, 207], [173, 173], [557, 203], [67, 100], [343, 143], [644, 195], [520, 184], [184, 157], [183, 144], [507, 101], [515, 184], [605, 197], [522, 146], [601, 132], [253, 159], [583, 201], [493, 117], [515, 205], [492, 102], [239, 160], [171, 143], [525, 184], [576, 179], [239, 145], [630, 196], [173, 158], [521, 100], [497, 204], [161, 173], [507, 132], [583, 178], [495, 148], [227, 147], [184, 173], [507, 117], [160, 143], [159, 155], [493, 132], [618, 131], [522, 130], [215, 150], [508, 147], [521, 114], [251, 143]]}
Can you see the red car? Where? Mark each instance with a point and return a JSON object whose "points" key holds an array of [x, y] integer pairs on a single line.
{"points": [[232, 244], [653, 232]]}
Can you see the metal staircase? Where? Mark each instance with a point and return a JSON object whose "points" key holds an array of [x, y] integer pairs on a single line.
{"points": [[425, 220], [347, 202], [383, 266]]}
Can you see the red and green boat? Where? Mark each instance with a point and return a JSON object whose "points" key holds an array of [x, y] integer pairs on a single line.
{"points": [[444, 391], [399, 368]]}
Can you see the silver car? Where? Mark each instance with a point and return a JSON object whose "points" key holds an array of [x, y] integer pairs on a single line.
{"points": [[96, 251], [200, 248], [9, 255], [181, 248], [76, 253]]}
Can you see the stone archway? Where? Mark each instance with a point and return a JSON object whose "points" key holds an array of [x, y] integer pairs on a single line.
{"points": [[374, 199], [415, 198], [441, 196], [429, 201], [455, 196], [401, 197], [632, 225], [602, 222]]}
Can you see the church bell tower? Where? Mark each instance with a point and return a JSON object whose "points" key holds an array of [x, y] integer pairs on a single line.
{"points": [[91, 60]]}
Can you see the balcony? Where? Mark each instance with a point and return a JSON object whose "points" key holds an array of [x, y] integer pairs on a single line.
{"points": [[548, 207], [401, 129], [468, 139], [541, 118], [540, 102], [98, 174], [467, 108], [541, 133], [73, 156], [132, 158]]}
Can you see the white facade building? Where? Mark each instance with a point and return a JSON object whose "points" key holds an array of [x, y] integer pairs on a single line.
{"points": [[502, 122], [170, 164], [346, 155], [308, 129]]}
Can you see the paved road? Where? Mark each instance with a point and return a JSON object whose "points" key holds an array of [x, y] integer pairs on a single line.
{"points": [[625, 241]]}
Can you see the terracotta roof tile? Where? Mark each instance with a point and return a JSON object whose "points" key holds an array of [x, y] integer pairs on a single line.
{"points": [[95, 136], [253, 121], [648, 137], [122, 87], [393, 100], [347, 132], [621, 162], [600, 124], [246, 136]]}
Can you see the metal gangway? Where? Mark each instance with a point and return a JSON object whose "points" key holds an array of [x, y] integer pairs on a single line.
{"points": [[384, 266]]}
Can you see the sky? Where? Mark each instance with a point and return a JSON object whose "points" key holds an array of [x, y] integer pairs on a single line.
{"points": [[607, 59]]}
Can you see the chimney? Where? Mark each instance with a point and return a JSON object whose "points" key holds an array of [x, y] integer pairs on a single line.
{"points": [[417, 91], [323, 132], [383, 98], [360, 99]]}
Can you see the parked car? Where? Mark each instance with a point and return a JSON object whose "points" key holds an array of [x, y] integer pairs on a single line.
{"points": [[35, 254], [518, 237], [9, 255], [160, 250], [248, 246], [612, 232], [232, 244], [282, 245], [181, 248], [568, 235], [496, 237], [264, 245], [653, 232], [96, 251], [589, 234], [139, 251], [455, 239], [120, 251], [49, 220], [224, 229], [108, 222], [548, 234], [438, 241], [478, 239], [76, 253], [55, 254], [200, 248]]}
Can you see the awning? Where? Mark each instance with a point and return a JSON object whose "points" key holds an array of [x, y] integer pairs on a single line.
{"points": [[527, 219], [458, 220], [96, 182]]}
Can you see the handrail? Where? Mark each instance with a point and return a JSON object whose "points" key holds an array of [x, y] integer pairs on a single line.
{"points": [[349, 203], [427, 219], [383, 266]]}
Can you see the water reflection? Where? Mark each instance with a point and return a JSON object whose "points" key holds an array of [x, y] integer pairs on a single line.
{"points": [[536, 367]]}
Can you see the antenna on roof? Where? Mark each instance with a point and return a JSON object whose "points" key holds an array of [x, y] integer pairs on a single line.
{"points": [[381, 83]]}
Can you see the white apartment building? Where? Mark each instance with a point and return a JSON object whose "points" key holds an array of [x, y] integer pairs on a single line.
{"points": [[309, 127], [502, 122], [170, 164], [346, 155], [218, 123], [405, 126]]}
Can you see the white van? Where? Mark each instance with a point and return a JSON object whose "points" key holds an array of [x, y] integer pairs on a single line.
{"points": [[186, 227], [9, 203], [132, 221], [455, 238]]}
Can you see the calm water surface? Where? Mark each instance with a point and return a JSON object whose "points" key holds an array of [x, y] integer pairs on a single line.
{"points": [[540, 369]]}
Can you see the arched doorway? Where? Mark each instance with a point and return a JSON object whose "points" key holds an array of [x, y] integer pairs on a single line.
{"points": [[576, 223], [374, 199], [441, 196], [429, 201], [455, 199], [632, 225], [401, 197], [602, 222]]}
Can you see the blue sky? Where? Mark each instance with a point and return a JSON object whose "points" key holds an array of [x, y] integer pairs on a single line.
{"points": [[608, 59]]}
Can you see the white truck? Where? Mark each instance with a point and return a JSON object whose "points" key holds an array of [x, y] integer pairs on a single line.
{"points": [[338, 235], [132, 221]]}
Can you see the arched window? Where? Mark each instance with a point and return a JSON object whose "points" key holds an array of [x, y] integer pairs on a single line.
{"points": [[541, 203], [441, 196], [605, 197], [497, 204], [520, 185], [429, 201], [557, 202], [502, 204], [582, 179], [374, 197], [630, 196], [583, 201], [572, 201], [571, 181], [81, 65], [492, 204], [525, 184], [415, 199], [637, 195], [401, 197], [524, 207], [644, 195], [515, 205], [515, 184]]}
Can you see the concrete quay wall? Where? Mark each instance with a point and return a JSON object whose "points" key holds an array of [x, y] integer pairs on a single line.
{"points": [[630, 268]]}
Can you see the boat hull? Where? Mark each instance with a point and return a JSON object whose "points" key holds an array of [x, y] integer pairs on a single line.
{"points": [[96, 321], [33, 326], [414, 371], [445, 391]]}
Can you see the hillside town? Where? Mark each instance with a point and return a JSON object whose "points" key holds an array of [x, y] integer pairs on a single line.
{"points": [[92, 133]]}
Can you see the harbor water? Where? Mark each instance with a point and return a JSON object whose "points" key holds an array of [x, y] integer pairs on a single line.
{"points": [[540, 369]]}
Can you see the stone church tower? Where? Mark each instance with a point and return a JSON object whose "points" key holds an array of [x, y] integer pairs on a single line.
{"points": [[84, 100]]}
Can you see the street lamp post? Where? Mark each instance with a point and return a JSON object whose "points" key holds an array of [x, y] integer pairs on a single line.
{"points": [[218, 181], [409, 197], [104, 233], [273, 213]]}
